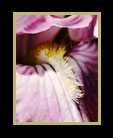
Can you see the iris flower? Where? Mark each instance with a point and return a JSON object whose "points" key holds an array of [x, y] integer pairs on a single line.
{"points": [[56, 68]]}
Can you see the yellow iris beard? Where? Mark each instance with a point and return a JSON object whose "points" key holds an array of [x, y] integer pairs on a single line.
{"points": [[54, 55]]}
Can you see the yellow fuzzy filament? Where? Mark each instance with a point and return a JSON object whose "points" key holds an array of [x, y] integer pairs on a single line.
{"points": [[54, 55]]}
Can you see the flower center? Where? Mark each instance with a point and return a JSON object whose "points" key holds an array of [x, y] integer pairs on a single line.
{"points": [[53, 54]]}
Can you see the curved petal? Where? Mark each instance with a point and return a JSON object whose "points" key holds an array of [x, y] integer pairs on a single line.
{"points": [[32, 23], [73, 21], [37, 23], [84, 57], [40, 96], [84, 34]]}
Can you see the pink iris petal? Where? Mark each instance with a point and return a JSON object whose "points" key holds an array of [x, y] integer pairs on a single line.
{"points": [[85, 60], [74, 21], [37, 23], [32, 23], [40, 96], [84, 34]]}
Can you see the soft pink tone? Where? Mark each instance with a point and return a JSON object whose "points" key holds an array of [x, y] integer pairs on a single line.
{"points": [[96, 29], [38, 23], [40, 96]]}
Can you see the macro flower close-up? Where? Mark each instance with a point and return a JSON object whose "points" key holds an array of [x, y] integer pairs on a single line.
{"points": [[56, 68]]}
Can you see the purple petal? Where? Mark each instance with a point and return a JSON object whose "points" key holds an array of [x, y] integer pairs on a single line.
{"points": [[84, 34], [40, 96], [84, 57]]}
